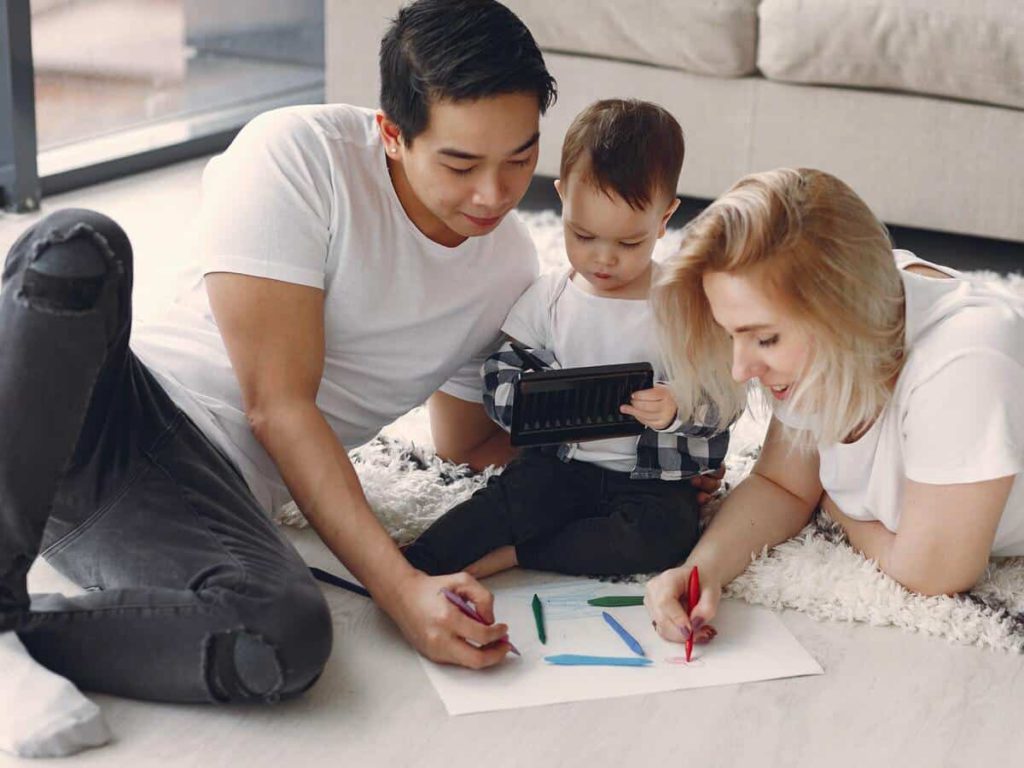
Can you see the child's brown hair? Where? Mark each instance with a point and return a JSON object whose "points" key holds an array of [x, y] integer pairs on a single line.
{"points": [[630, 147]]}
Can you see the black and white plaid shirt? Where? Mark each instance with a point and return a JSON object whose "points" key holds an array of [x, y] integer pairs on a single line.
{"points": [[680, 451]]}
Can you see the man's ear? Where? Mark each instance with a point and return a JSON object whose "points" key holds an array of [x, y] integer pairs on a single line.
{"points": [[390, 134], [668, 215]]}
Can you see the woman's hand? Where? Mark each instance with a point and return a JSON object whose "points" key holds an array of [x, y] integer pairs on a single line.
{"points": [[673, 619]]}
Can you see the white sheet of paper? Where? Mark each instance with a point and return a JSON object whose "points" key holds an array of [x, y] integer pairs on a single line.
{"points": [[752, 644]]}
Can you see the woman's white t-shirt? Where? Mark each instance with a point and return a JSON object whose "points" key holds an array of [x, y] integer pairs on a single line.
{"points": [[582, 329], [957, 413], [303, 196]]}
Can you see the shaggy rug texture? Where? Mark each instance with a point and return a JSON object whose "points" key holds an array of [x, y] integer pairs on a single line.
{"points": [[816, 572]]}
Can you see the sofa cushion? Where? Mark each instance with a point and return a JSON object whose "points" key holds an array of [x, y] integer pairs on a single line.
{"points": [[966, 50], [709, 38]]}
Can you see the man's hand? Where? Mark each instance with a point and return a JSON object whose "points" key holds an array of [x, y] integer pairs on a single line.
{"points": [[707, 485], [439, 630], [654, 408]]}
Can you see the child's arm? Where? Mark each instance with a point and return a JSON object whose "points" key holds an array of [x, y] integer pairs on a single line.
{"points": [[500, 372], [656, 408]]}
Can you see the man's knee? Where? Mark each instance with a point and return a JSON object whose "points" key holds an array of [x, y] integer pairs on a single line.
{"points": [[67, 260], [71, 243], [279, 651]]}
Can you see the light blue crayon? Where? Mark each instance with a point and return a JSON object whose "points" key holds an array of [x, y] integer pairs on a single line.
{"points": [[577, 660]]}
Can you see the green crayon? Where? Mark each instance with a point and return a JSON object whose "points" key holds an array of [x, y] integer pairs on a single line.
{"points": [[538, 616], [616, 601]]}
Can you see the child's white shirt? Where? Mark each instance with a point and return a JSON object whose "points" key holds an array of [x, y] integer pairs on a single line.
{"points": [[582, 329]]}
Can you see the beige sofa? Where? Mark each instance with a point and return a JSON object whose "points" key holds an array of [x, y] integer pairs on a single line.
{"points": [[918, 104]]}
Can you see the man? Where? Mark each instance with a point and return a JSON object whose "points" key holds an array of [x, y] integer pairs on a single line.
{"points": [[353, 265]]}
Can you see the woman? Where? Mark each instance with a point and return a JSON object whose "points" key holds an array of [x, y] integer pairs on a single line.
{"points": [[896, 389]]}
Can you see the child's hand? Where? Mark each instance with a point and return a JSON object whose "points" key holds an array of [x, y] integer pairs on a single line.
{"points": [[654, 408]]}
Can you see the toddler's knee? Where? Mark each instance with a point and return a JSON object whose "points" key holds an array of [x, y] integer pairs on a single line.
{"points": [[279, 651], [657, 537]]}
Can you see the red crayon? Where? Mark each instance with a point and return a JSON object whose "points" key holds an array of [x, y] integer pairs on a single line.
{"points": [[693, 598]]}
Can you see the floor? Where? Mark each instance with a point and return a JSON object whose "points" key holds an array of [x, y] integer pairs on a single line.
{"points": [[887, 697]]}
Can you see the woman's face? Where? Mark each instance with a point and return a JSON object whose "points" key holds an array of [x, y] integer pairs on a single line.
{"points": [[767, 341]]}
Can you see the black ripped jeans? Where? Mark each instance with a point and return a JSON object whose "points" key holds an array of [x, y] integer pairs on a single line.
{"points": [[192, 594]]}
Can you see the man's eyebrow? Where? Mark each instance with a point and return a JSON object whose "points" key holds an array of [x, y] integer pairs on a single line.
{"points": [[458, 154]]}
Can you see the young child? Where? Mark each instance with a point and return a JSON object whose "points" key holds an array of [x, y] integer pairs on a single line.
{"points": [[610, 506]]}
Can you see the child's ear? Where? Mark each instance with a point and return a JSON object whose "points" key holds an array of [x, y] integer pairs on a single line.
{"points": [[668, 215], [558, 189]]}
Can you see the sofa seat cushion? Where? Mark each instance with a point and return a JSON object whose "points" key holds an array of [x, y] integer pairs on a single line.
{"points": [[708, 38], [965, 50]]}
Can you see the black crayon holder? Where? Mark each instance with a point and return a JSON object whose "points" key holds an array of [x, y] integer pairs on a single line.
{"points": [[575, 404]]}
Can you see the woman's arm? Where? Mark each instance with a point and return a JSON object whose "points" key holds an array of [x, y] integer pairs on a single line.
{"points": [[944, 538], [274, 334], [773, 504]]}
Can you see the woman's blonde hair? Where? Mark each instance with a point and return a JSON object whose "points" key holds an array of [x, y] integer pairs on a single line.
{"points": [[825, 257]]}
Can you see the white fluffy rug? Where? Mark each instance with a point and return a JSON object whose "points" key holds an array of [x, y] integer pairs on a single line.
{"points": [[816, 572]]}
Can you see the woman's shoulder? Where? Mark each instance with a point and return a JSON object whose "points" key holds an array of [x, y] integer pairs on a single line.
{"points": [[975, 333]]}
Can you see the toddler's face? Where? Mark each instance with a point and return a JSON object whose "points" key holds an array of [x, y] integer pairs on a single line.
{"points": [[608, 243]]}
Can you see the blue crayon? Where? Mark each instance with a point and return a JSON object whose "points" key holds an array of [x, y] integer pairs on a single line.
{"points": [[620, 630]]}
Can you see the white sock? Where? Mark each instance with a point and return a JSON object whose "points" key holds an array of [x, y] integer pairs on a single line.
{"points": [[41, 713]]}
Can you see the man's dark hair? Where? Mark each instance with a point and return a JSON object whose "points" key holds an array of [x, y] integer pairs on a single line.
{"points": [[632, 148], [456, 50]]}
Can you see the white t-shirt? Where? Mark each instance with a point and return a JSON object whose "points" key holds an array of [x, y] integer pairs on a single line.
{"points": [[303, 196], [957, 413], [582, 329]]}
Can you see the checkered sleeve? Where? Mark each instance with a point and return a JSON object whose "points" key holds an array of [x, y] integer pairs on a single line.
{"points": [[500, 373], [705, 422], [683, 449]]}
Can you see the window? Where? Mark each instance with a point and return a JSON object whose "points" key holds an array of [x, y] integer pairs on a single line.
{"points": [[121, 85]]}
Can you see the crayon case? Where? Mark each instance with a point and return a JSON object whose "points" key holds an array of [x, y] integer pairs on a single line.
{"points": [[575, 404]]}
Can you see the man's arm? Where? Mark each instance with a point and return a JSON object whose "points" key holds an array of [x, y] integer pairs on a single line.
{"points": [[464, 434], [274, 334]]}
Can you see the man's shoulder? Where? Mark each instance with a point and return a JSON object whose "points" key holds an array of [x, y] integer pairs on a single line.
{"points": [[323, 121]]}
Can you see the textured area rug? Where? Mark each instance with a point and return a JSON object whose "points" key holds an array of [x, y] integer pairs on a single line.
{"points": [[816, 572]]}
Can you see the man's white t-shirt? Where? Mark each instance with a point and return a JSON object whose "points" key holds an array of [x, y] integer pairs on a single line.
{"points": [[957, 413], [303, 196], [582, 329]]}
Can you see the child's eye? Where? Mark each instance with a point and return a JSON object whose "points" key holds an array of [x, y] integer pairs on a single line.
{"points": [[584, 238], [631, 245], [771, 340]]}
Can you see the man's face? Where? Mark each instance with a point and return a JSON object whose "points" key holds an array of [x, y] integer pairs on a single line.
{"points": [[469, 168]]}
